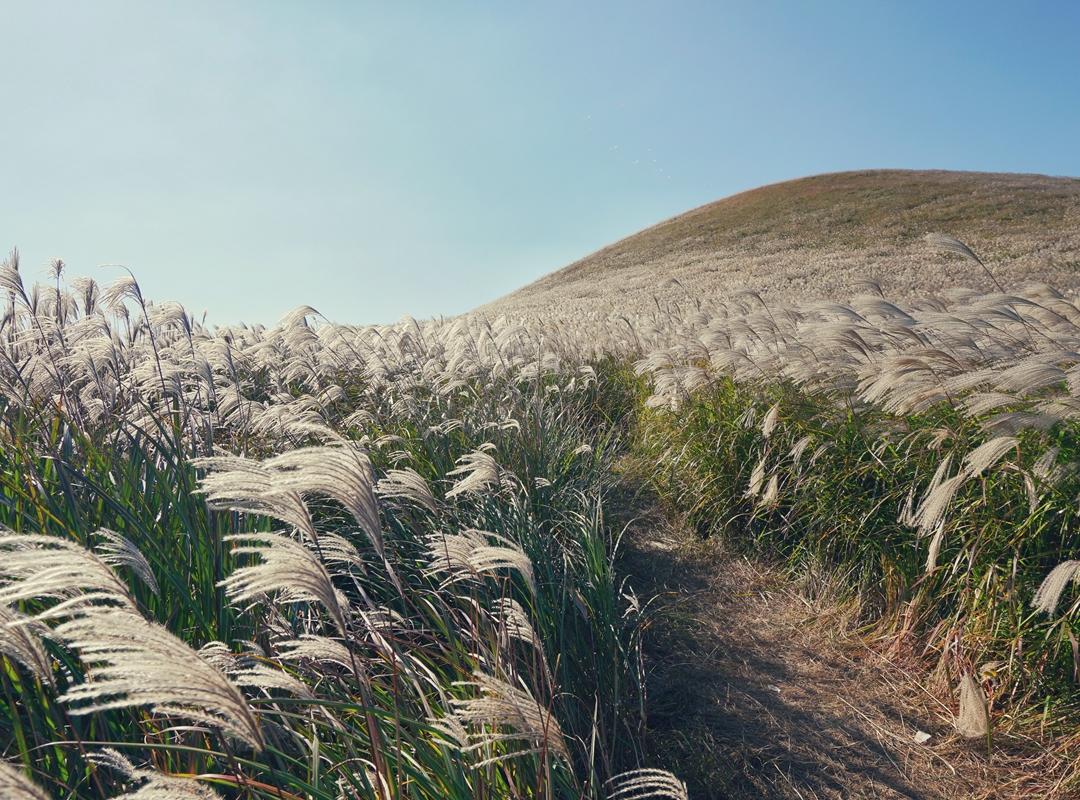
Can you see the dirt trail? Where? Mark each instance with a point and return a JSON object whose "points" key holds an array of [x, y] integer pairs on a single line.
{"points": [[756, 692]]}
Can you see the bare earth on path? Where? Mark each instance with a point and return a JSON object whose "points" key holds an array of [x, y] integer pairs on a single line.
{"points": [[756, 691]]}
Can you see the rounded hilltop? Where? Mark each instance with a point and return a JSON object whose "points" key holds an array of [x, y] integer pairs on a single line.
{"points": [[824, 237]]}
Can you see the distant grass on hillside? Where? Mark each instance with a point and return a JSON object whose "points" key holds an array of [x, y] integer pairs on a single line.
{"points": [[819, 237]]}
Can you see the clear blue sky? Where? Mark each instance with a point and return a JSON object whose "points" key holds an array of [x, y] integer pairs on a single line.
{"points": [[381, 159]]}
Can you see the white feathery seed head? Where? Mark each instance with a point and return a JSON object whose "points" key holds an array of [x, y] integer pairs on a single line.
{"points": [[1049, 593], [471, 554], [14, 785], [501, 712], [117, 551], [316, 649], [239, 484], [132, 662], [407, 484], [768, 425], [286, 568], [772, 489], [935, 547], [21, 640], [988, 454], [480, 473], [39, 566], [514, 620], [155, 785], [341, 473], [1045, 467], [647, 784], [936, 502], [757, 478]]}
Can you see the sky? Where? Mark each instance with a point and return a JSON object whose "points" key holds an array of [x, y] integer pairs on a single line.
{"points": [[381, 159]]}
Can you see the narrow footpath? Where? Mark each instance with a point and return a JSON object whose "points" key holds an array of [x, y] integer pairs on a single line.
{"points": [[758, 687]]}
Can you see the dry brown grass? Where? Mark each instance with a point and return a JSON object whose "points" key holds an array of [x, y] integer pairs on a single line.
{"points": [[760, 687], [820, 236]]}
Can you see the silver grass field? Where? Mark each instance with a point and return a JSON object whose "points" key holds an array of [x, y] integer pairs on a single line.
{"points": [[332, 561]]}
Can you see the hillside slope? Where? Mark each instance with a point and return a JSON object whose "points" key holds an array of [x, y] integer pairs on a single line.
{"points": [[822, 237]]}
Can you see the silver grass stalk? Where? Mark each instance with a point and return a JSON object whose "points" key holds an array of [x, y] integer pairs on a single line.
{"points": [[286, 568], [132, 662], [218, 655], [14, 785], [451, 731], [504, 713], [37, 566], [408, 484], [123, 288], [757, 478], [907, 509], [936, 500], [1045, 467], [950, 244], [10, 279], [988, 454], [647, 784], [165, 787], [481, 473], [514, 621], [337, 551], [1032, 493], [21, 640], [240, 484], [251, 672], [156, 786], [768, 425], [942, 241], [317, 649], [266, 678], [1049, 593], [1030, 377], [935, 547], [117, 551], [470, 554], [983, 402], [799, 448], [772, 489], [341, 473]]}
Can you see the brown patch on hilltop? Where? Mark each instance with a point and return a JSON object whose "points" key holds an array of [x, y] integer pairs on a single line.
{"points": [[819, 237]]}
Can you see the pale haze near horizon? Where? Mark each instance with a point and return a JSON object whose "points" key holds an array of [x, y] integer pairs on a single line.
{"points": [[376, 160]]}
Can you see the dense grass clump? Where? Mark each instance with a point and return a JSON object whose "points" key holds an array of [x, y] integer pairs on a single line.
{"points": [[308, 562], [421, 641]]}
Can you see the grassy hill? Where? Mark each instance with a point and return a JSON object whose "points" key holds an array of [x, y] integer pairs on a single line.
{"points": [[824, 235]]}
